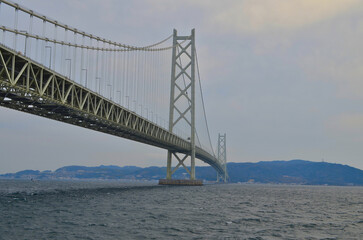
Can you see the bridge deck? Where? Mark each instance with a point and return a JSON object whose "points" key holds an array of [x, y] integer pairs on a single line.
{"points": [[31, 87]]}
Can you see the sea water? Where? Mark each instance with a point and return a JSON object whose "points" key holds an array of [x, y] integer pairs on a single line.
{"points": [[120, 210]]}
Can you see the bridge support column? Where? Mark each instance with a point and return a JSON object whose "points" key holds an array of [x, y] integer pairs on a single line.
{"points": [[182, 99], [168, 165]]}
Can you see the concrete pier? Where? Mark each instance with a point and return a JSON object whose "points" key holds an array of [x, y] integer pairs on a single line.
{"points": [[181, 182]]}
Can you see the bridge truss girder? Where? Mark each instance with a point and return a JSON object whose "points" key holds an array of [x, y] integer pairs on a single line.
{"points": [[33, 88]]}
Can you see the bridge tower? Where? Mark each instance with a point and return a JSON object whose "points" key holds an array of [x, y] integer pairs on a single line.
{"points": [[182, 98], [222, 156]]}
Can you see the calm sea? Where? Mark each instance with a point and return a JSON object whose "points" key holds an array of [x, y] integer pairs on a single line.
{"points": [[118, 210]]}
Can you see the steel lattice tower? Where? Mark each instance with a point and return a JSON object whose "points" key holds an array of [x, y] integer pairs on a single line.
{"points": [[222, 154], [182, 83]]}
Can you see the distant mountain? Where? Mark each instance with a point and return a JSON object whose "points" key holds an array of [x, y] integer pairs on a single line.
{"points": [[296, 172], [286, 172]]}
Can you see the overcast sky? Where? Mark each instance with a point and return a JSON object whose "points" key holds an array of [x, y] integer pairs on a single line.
{"points": [[283, 79]]}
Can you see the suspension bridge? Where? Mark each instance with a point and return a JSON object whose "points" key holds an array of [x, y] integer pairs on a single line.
{"points": [[149, 94]]}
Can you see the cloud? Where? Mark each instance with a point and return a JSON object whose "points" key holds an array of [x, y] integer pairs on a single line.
{"points": [[267, 15], [348, 78], [334, 55], [346, 126]]}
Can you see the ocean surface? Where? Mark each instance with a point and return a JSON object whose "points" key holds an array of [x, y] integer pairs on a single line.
{"points": [[119, 210]]}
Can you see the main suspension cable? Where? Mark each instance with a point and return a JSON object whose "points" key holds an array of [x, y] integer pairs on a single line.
{"points": [[201, 93], [75, 30]]}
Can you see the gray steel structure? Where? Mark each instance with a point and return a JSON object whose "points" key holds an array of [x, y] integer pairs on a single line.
{"points": [[182, 80], [37, 88], [222, 156], [33, 88]]}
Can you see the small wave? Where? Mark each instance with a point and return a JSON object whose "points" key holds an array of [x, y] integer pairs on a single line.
{"points": [[70, 188], [247, 220], [69, 223], [309, 225]]}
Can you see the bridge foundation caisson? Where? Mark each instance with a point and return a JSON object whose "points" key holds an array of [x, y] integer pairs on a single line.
{"points": [[182, 105], [181, 182]]}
